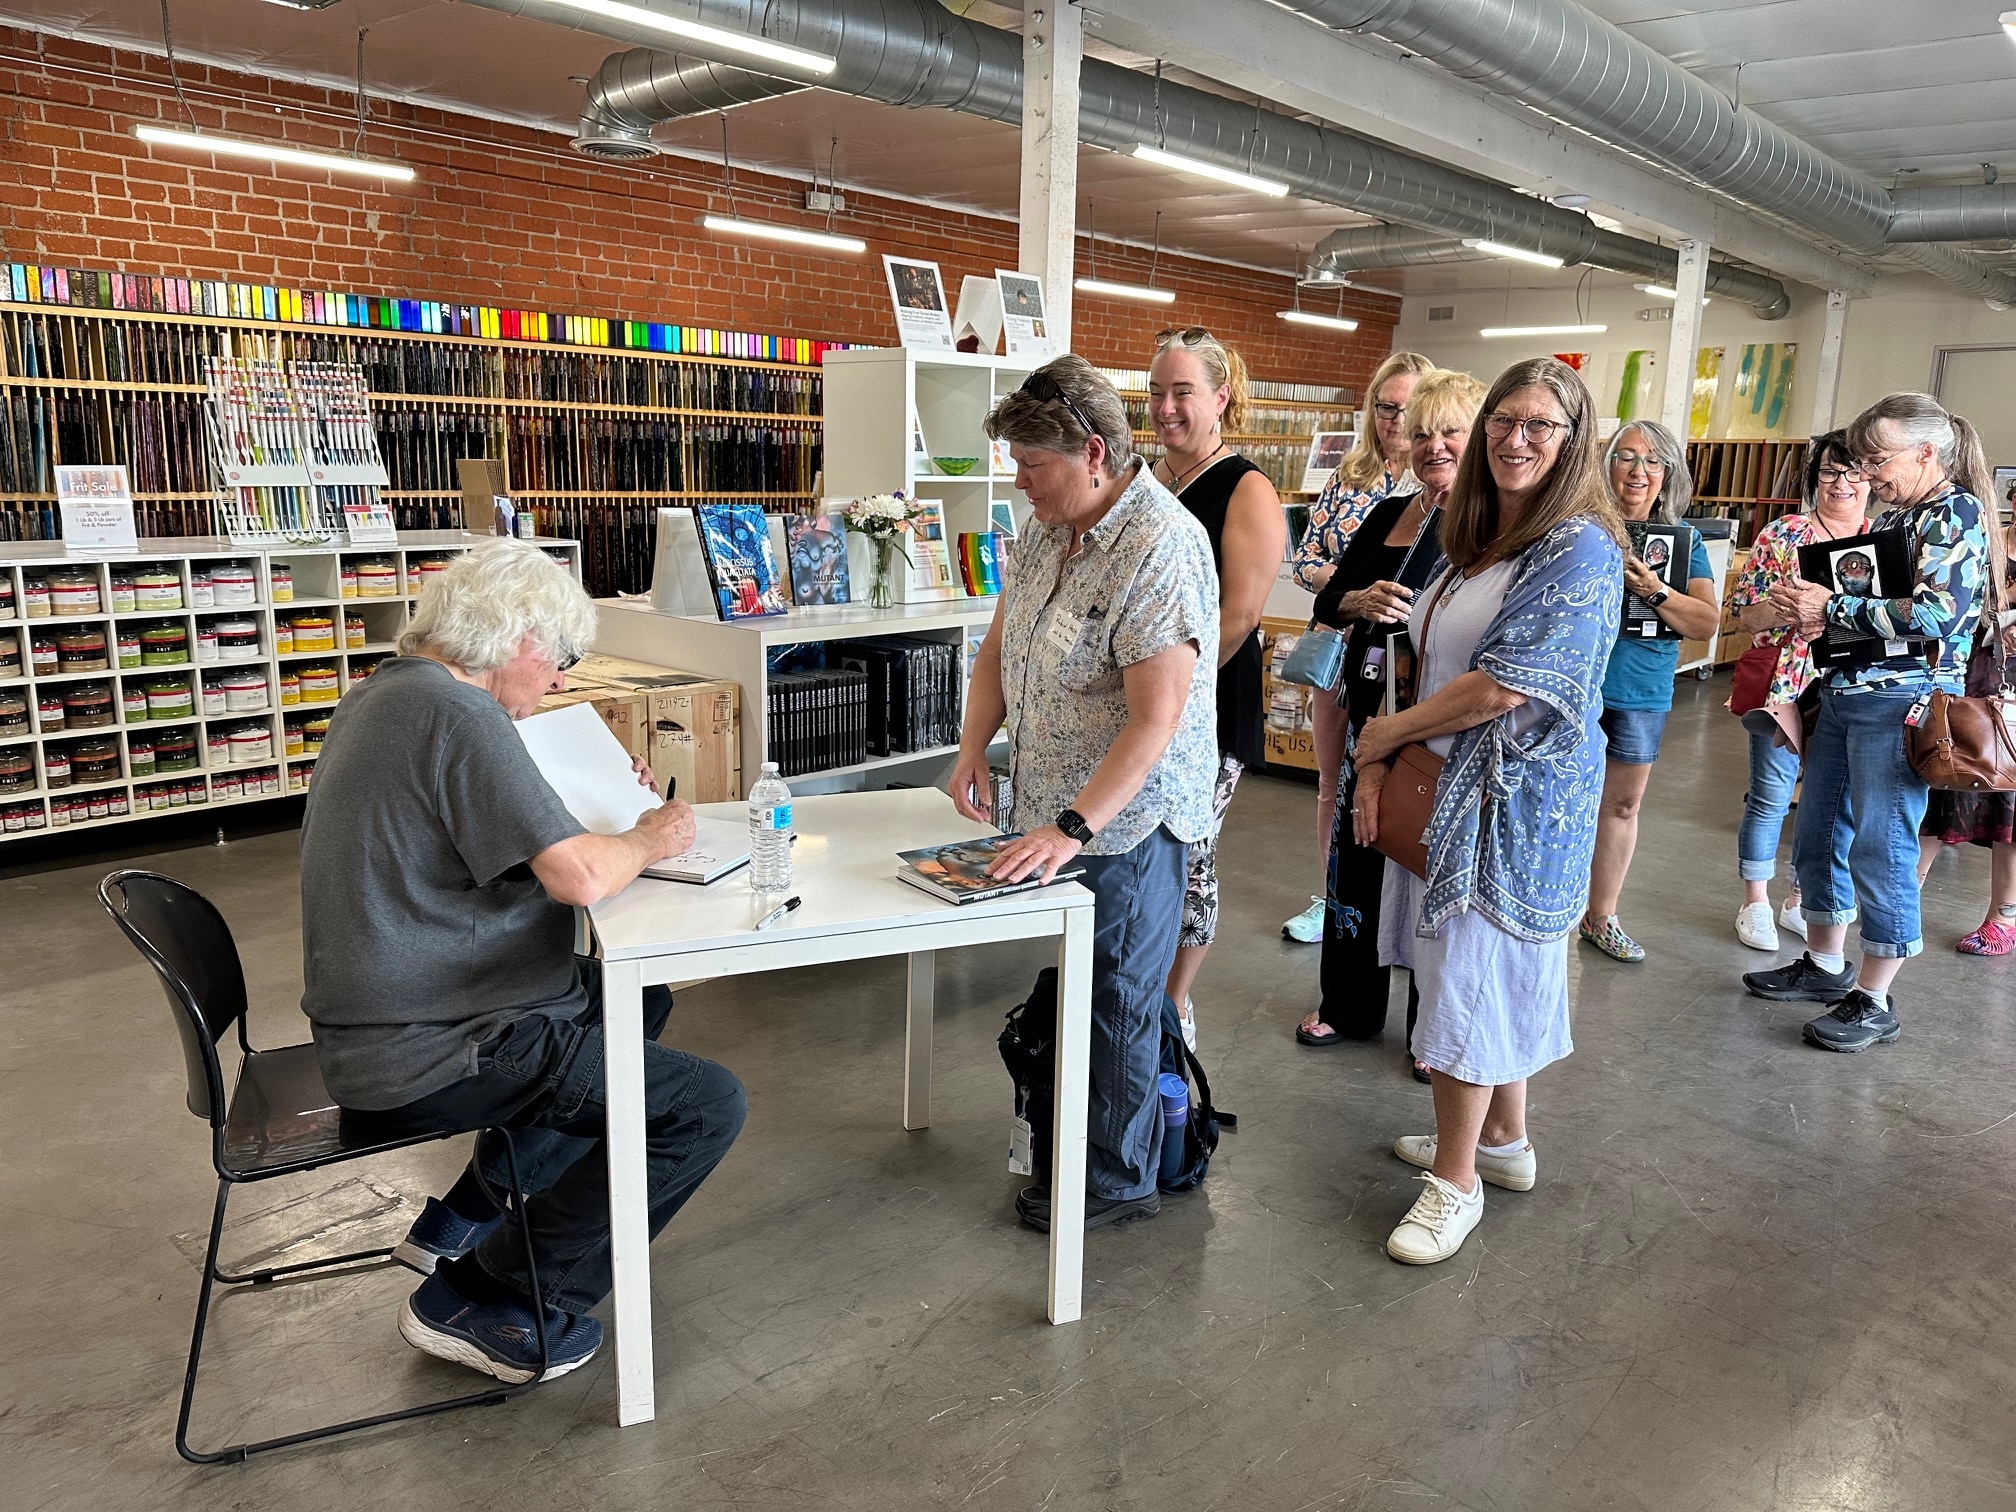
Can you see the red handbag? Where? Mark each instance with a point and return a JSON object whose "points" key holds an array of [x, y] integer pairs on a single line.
{"points": [[1750, 684]]}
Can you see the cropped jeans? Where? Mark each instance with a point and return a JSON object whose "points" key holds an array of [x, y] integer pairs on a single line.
{"points": [[1856, 756], [1774, 776]]}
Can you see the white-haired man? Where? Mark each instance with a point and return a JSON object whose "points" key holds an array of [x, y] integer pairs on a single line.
{"points": [[438, 875]]}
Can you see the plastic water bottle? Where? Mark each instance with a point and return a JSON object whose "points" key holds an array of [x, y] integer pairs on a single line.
{"points": [[1175, 1116], [770, 833]]}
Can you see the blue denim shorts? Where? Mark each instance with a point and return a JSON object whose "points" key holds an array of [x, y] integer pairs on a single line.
{"points": [[1634, 734]]}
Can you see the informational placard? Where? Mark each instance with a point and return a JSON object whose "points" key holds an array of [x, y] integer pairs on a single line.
{"points": [[1022, 315], [923, 320], [1327, 449], [97, 509], [368, 522], [977, 326]]}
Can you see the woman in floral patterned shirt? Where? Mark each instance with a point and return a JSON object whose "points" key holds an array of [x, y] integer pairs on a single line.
{"points": [[1374, 468], [1837, 498]]}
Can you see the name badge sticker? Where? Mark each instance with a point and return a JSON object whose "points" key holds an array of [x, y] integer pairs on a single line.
{"points": [[1063, 632]]}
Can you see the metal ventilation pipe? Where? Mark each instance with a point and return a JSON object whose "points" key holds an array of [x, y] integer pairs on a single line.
{"points": [[1974, 212], [916, 53], [1352, 249], [1559, 58], [633, 91]]}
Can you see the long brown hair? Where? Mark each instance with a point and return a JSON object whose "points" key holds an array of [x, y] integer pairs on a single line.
{"points": [[1574, 489], [1918, 418], [1365, 463]]}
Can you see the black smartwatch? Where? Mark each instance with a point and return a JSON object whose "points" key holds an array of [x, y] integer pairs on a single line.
{"points": [[1074, 825], [1660, 597]]}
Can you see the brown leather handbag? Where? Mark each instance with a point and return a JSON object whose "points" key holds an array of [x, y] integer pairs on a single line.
{"points": [[1966, 745], [1408, 799]]}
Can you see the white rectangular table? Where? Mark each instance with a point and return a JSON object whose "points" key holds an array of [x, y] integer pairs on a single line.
{"points": [[843, 867]]}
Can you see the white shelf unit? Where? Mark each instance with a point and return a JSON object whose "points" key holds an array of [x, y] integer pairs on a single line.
{"points": [[739, 650], [316, 573], [872, 398]]}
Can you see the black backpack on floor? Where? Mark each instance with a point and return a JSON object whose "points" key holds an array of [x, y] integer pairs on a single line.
{"points": [[1029, 1050]]}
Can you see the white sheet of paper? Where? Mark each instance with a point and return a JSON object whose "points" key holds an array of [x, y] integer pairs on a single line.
{"points": [[586, 765]]}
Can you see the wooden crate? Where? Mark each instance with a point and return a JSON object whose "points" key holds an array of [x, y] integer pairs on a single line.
{"points": [[1288, 748], [621, 710], [692, 726]]}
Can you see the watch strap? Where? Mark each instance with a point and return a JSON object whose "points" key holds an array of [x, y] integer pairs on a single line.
{"points": [[1072, 823]]}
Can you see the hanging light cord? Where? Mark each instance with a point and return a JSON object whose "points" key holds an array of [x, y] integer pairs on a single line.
{"points": [[356, 146], [174, 73]]}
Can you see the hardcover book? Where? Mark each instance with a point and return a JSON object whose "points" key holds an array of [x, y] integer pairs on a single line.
{"points": [[1664, 549], [817, 547], [735, 540], [1875, 565], [958, 873]]}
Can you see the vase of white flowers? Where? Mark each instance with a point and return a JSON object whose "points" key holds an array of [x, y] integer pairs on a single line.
{"points": [[883, 519]]}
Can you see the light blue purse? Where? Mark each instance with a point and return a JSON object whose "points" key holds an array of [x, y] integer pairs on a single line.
{"points": [[1317, 659]]}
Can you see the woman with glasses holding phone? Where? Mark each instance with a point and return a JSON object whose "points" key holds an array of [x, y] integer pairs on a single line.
{"points": [[1646, 469], [1775, 671], [1102, 662], [1512, 641], [1375, 466], [1197, 392], [1925, 465]]}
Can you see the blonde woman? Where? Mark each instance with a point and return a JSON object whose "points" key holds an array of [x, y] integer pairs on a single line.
{"points": [[1375, 467]]}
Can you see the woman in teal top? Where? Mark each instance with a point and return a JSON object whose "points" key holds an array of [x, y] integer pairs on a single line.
{"points": [[1647, 471]]}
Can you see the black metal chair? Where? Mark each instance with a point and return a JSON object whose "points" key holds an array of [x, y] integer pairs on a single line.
{"points": [[278, 1121]]}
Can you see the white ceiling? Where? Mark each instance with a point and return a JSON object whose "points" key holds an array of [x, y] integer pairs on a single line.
{"points": [[1921, 91]]}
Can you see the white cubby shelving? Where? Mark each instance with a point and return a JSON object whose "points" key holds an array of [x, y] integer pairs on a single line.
{"points": [[316, 570]]}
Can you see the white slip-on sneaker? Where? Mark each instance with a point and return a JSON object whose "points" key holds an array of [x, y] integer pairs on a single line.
{"points": [[1791, 920], [1438, 1223], [1515, 1173], [1307, 926], [1754, 927]]}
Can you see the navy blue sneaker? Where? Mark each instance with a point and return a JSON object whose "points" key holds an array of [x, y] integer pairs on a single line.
{"points": [[439, 1233], [498, 1339]]}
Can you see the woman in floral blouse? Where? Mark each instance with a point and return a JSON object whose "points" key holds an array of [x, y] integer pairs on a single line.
{"points": [[1837, 499], [1375, 467]]}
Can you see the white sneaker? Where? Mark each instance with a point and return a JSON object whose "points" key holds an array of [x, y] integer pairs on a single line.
{"points": [[1515, 1173], [1792, 920], [1754, 927], [1438, 1223], [1306, 926], [1186, 1018]]}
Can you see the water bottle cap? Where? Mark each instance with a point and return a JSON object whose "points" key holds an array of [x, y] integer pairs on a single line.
{"points": [[769, 769], [1172, 1085]]}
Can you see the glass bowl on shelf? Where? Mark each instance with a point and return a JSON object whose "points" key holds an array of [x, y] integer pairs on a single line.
{"points": [[955, 467]]}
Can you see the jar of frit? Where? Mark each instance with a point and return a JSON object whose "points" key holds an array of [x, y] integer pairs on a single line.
{"points": [[88, 706], [82, 649], [74, 591]]}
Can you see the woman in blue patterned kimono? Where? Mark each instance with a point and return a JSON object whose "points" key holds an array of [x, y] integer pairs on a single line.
{"points": [[1513, 639]]}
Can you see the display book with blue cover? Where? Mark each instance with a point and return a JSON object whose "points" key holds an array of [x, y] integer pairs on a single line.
{"points": [[741, 566], [817, 548], [1875, 565], [957, 873]]}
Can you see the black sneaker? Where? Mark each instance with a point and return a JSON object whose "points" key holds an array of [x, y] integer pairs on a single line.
{"points": [[1801, 982], [1032, 1205], [1853, 1024]]}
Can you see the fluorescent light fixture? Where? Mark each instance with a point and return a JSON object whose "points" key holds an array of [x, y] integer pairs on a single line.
{"points": [[1230, 176], [1662, 291], [1560, 330], [1328, 322], [1513, 254], [1124, 291], [769, 232], [272, 152], [715, 36], [2008, 20]]}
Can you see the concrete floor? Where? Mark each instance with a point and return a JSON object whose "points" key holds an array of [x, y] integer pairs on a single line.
{"points": [[1754, 1275]]}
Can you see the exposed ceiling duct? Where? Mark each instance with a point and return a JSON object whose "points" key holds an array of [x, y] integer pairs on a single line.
{"points": [[917, 53], [1358, 248], [1973, 212], [1559, 58], [633, 91]]}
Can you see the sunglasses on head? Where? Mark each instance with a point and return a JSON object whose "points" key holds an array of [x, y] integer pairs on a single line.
{"points": [[1045, 390], [1188, 336]]}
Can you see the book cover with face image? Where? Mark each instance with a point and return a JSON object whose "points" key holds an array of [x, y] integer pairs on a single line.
{"points": [[958, 873], [1877, 565], [1665, 550]]}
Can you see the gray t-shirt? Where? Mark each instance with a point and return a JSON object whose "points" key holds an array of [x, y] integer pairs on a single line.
{"points": [[423, 930]]}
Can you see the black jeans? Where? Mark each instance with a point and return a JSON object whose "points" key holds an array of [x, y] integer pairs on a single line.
{"points": [[1354, 984], [542, 1079]]}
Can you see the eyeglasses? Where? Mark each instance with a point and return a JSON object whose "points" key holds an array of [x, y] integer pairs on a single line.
{"points": [[1188, 336], [1045, 390], [568, 662], [1386, 411], [1537, 430], [1829, 474], [1629, 460], [1873, 462]]}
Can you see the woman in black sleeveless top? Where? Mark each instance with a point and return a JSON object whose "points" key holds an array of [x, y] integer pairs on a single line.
{"points": [[1196, 392]]}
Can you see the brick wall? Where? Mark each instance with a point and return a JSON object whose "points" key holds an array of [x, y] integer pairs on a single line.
{"points": [[508, 216]]}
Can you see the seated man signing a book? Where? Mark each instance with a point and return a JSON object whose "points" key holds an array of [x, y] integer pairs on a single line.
{"points": [[1102, 660], [439, 873]]}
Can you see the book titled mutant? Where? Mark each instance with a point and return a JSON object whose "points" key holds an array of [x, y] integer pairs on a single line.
{"points": [[958, 873]]}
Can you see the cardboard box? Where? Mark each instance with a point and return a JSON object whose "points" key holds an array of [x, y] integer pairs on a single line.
{"points": [[692, 724], [481, 479]]}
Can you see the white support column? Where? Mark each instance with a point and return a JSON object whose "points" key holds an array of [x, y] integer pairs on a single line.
{"points": [[1690, 285], [1053, 46], [1827, 377]]}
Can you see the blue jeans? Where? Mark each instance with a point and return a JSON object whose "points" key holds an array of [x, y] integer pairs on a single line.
{"points": [[542, 1079], [1856, 754], [1774, 773], [1134, 927], [1631, 736]]}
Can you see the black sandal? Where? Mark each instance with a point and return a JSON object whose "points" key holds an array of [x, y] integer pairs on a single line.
{"points": [[1319, 1041]]}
